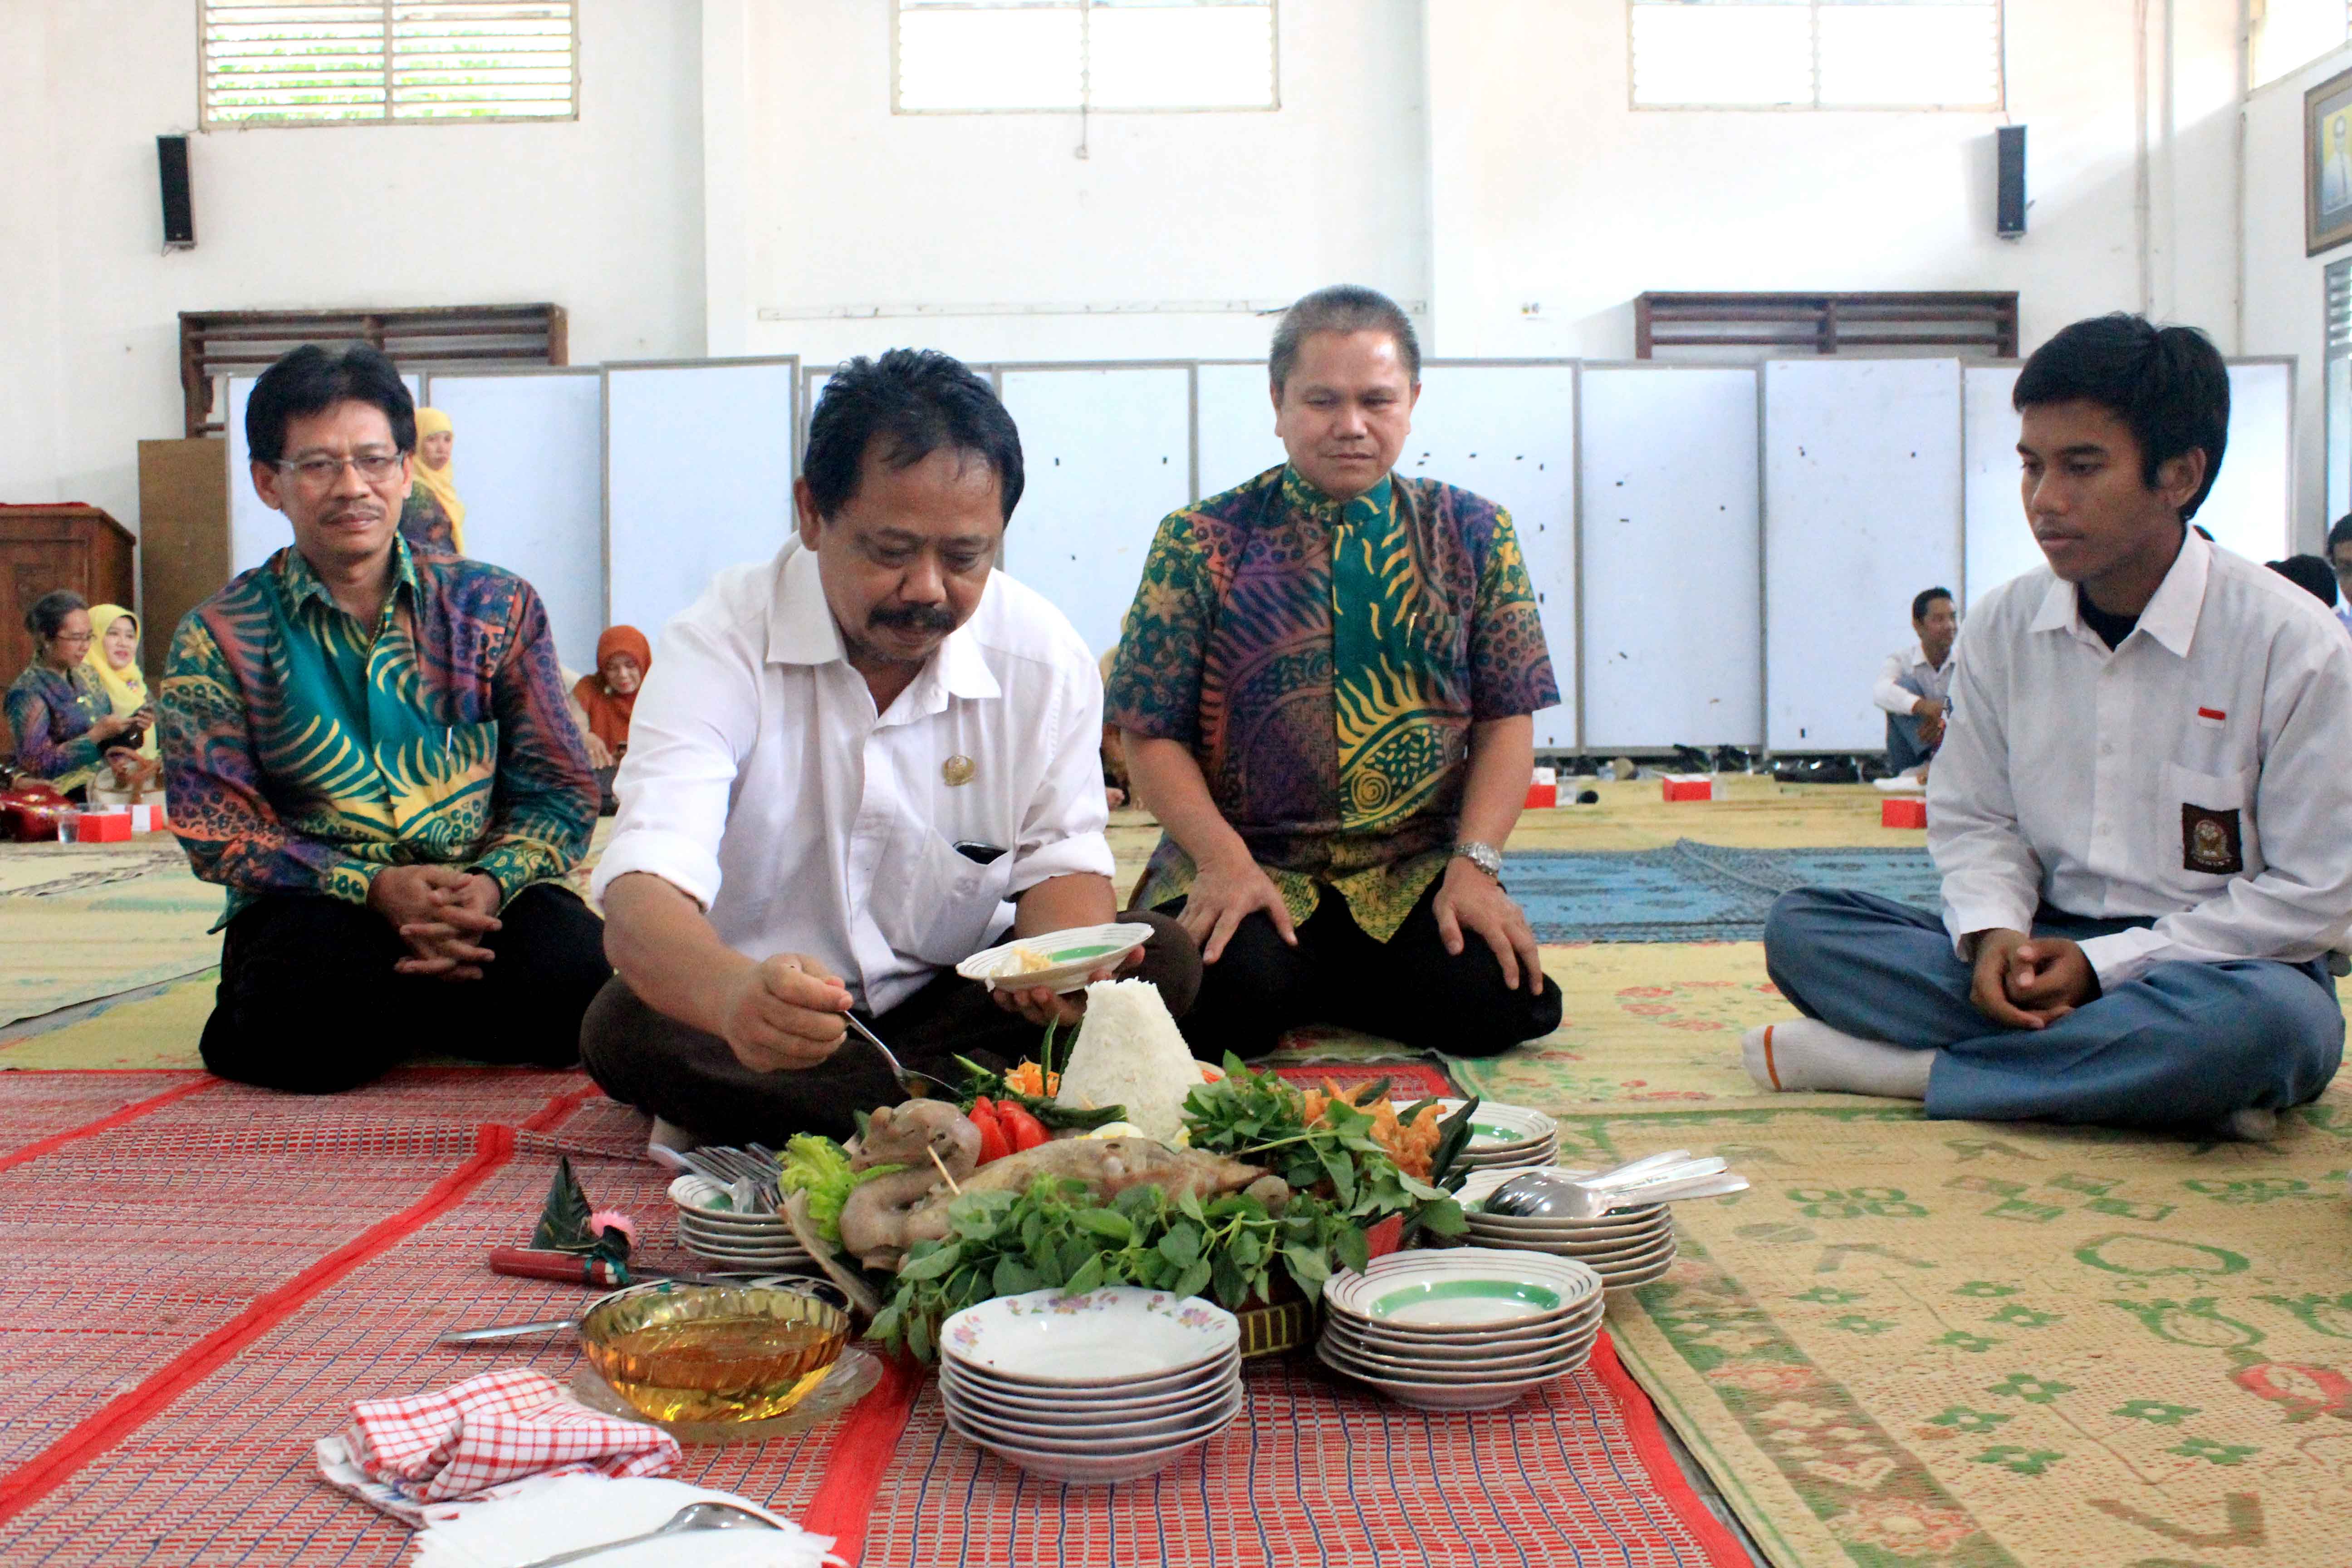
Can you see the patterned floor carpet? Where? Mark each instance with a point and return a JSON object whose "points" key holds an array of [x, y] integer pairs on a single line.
{"points": [[1690, 892]]}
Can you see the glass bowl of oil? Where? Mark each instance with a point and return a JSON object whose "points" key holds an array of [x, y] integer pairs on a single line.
{"points": [[713, 1353]]}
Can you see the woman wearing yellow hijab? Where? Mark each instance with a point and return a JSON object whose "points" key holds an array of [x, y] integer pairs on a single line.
{"points": [[433, 518], [113, 657]]}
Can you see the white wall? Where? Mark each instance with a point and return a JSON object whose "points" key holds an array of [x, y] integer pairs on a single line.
{"points": [[844, 204], [603, 215], [2285, 290], [1547, 189]]}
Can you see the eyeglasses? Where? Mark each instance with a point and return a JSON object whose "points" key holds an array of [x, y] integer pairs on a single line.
{"points": [[318, 472], [82, 638]]}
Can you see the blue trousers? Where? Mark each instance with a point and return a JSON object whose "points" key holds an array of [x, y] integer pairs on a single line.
{"points": [[2183, 1045], [1904, 750]]}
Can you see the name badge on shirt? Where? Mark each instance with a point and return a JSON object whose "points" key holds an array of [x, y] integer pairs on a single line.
{"points": [[2210, 841]]}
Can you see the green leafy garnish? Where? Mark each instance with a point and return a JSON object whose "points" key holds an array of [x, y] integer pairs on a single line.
{"points": [[820, 1167]]}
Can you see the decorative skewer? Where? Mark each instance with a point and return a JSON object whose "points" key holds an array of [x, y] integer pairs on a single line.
{"points": [[934, 1153]]}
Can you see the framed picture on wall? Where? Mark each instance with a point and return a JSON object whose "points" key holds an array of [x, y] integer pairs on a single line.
{"points": [[2328, 164]]}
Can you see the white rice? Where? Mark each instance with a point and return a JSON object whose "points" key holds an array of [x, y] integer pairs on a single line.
{"points": [[1129, 1053]]}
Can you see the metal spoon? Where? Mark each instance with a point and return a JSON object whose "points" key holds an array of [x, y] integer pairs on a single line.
{"points": [[693, 1516], [918, 1086], [1531, 1185], [1558, 1198]]}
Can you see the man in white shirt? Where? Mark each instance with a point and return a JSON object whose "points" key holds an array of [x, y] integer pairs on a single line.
{"points": [[843, 764], [2339, 559], [1913, 682], [2138, 810]]}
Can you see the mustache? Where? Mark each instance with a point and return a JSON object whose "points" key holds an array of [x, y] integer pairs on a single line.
{"points": [[914, 619]]}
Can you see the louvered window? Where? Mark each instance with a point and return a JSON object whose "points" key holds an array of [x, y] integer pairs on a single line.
{"points": [[282, 62], [979, 57], [1816, 54]]}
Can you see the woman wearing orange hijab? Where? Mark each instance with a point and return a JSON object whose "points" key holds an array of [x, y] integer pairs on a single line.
{"points": [[608, 697]]}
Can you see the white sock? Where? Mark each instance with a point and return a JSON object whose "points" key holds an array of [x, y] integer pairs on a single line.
{"points": [[2251, 1125], [1804, 1053]]}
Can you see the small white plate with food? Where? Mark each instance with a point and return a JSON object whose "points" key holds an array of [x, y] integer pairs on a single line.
{"points": [[1055, 961]]}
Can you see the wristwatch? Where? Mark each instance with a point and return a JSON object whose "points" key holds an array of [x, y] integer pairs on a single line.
{"points": [[1486, 857]]}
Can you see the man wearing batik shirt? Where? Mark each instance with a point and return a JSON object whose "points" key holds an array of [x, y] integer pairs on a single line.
{"points": [[369, 748], [1325, 687]]}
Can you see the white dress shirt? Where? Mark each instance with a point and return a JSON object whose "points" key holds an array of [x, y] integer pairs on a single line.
{"points": [[2220, 731], [1934, 680], [761, 781]]}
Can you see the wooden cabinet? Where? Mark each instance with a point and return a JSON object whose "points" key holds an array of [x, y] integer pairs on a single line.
{"points": [[47, 547], [183, 538]]}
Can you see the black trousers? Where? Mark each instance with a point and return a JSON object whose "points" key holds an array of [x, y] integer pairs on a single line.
{"points": [[1408, 988], [309, 1000], [693, 1079]]}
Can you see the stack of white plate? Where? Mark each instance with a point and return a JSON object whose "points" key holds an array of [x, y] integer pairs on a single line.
{"points": [[1104, 1386], [1502, 1137], [710, 1228], [1465, 1330], [1625, 1247]]}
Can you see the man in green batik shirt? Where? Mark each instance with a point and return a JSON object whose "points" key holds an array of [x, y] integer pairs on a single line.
{"points": [[1325, 687], [369, 747]]}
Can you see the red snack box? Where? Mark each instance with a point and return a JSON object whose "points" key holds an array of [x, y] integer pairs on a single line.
{"points": [[103, 827], [1689, 787], [1900, 813], [1545, 790]]}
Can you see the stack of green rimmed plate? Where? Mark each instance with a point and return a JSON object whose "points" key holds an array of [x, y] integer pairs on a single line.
{"points": [[1462, 1329], [715, 1231], [1626, 1247], [1502, 1137]]}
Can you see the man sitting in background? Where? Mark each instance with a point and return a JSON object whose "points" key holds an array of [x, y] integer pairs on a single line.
{"points": [[2339, 561], [844, 762], [1913, 682], [2138, 810], [368, 747]]}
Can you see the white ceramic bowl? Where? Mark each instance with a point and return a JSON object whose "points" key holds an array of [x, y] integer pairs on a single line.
{"points": [[1086, 1469], [1628, 1279], [1031, 1404], [1617, 1250], [1071, 956], [1449, 1291], [1145, 1390], [1659, 1251], [1496, 1128], [1564, 1357], [1473, 1347], [1116, 1437], [1101, 1339], [1444, 1395]]}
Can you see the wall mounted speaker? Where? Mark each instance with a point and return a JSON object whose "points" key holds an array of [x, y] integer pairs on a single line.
{"points": [[179, 202], [2009, 209]]}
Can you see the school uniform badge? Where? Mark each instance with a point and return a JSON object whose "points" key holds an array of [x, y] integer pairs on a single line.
{"points": [[2210, 841]]}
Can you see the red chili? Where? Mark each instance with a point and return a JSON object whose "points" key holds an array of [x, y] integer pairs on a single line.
{"points": [[1022, 1129], [994, 1143]]}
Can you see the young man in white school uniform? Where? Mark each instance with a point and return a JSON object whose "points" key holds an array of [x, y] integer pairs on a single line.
{"points": [[843, 765], [2139, 808]]}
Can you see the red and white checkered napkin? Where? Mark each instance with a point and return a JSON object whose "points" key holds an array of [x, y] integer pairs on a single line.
{"points": [[501, 1426]]}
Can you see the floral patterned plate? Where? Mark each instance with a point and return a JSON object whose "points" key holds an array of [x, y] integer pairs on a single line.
{"points": [[1094, 1340]]}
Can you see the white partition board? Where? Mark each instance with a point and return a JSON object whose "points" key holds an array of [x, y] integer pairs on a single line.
{"points": [[1107, 453], [2248, 512], [254, 531], [1999, 540], [1236, 423], [528, 464], [2250, 509], [1862, 509], [1673, 552], [698, 476], [1507, 432]]}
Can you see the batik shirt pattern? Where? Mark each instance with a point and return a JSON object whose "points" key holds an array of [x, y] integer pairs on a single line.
{"points": [[425, 525], [1325, 663], [304, 753], [49, 715]]}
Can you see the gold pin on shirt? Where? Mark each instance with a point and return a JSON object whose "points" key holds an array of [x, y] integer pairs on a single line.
{"points": [[957, 770]]}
